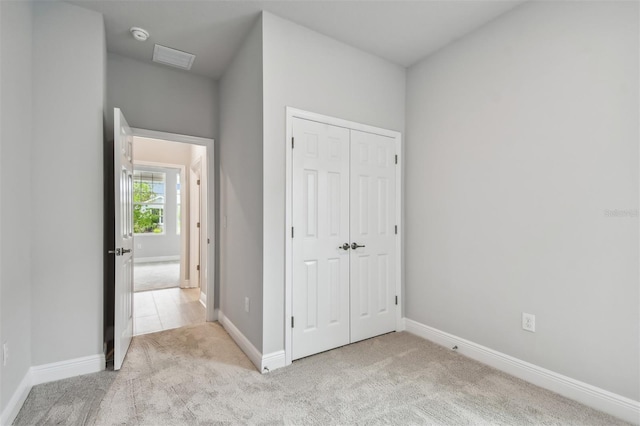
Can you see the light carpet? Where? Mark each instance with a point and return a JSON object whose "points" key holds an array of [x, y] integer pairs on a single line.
{"points": [[156, 275], [196, 375]]}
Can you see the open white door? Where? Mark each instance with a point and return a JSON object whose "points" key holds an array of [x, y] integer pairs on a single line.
{"points": [[123, 184]]}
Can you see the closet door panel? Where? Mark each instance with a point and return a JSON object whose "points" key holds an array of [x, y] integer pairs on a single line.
{"points": [[321, 225], [372, 284]]}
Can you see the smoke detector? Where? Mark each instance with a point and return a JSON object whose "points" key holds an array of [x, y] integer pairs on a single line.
{"points": [[139, 33]]}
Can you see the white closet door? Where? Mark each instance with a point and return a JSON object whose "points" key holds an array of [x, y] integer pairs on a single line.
{"points": [[372, 226], [321, 226]]}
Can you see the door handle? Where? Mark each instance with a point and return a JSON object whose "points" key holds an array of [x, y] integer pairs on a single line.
{"points": [[119, 251], [345, 246], [355, 245]]}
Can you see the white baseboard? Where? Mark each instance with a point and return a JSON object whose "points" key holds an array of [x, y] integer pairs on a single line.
{"points": [[247, 347], [154, 259], [12, 409], [203, 299], [273, 361], [264, 363], [65, 369], [49, 373], [600, 399], [214, 316]]}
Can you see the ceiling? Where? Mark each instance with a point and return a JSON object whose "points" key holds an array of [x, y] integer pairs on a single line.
{"points": [[402, 32]]}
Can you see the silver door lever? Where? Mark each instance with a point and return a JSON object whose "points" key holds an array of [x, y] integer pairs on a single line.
{"points": [[345, 246], [355, 245]]}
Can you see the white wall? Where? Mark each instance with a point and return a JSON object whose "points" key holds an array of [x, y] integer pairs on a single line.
{"points": [[519, 137], [306, 70], [16, 120], [67, 218], [241, 160], [161, 98]]}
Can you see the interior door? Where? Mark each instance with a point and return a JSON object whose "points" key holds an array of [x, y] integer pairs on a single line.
{"points": [[320, 230], [123, 184], [372, 231]]}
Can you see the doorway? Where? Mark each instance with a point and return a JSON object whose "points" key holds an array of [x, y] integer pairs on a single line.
{"points": [[168, 206]]}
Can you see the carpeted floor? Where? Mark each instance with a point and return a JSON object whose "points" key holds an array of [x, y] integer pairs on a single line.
{"points": [[156, 275], [197, 375]]}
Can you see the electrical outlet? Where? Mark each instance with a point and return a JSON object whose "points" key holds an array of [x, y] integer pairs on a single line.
{"points": [[5, 353], [529, 322], [246, 304]]}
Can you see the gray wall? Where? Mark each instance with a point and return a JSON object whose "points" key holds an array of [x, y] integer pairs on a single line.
{"points": [[16, 123], [157, 97], [306, 70], [241, 156], [519, 137], [67, 218]]}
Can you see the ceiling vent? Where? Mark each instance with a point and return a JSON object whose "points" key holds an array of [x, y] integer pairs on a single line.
{"points": [[175, 58]]}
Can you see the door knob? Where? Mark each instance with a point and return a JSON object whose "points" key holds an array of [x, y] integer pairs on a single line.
{"points": [[355, 245], [345, 246], [124, 251], [117, 252]]}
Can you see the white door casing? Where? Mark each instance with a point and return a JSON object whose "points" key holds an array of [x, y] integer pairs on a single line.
{"points": [[372, 220], [321, 227], [195, 226], [123, 184]]}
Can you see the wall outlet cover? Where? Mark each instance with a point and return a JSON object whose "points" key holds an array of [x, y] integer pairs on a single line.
{"points": [[529, 322]]}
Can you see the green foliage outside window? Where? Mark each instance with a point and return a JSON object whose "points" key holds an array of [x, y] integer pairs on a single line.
{"points": [[146, 219]]}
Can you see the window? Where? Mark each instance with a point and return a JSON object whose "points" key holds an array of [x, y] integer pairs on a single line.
{"points": [[148, 201]]}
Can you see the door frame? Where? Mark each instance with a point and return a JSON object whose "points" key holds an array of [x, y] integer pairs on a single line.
{"points": [[195, 173], [211, 313], [291, 114]]}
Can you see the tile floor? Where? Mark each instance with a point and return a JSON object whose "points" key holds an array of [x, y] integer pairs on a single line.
{"points": [[165, 309]]}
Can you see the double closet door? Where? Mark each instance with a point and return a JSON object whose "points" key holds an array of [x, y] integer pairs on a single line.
{"points": [[344, 236]]}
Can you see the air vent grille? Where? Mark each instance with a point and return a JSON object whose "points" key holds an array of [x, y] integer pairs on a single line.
{"points": [[173, 57]]}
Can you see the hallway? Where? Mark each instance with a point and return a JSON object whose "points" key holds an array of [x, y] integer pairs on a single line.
{"points": [[165, 309]]}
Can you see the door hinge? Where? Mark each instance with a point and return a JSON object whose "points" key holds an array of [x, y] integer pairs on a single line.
{"points": [[292, 232], [198, 268], [292, 143], [396, 158], [208, 241], [198, 182], [396, 229], [198, 225], [291, 322], [396, 300]]}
